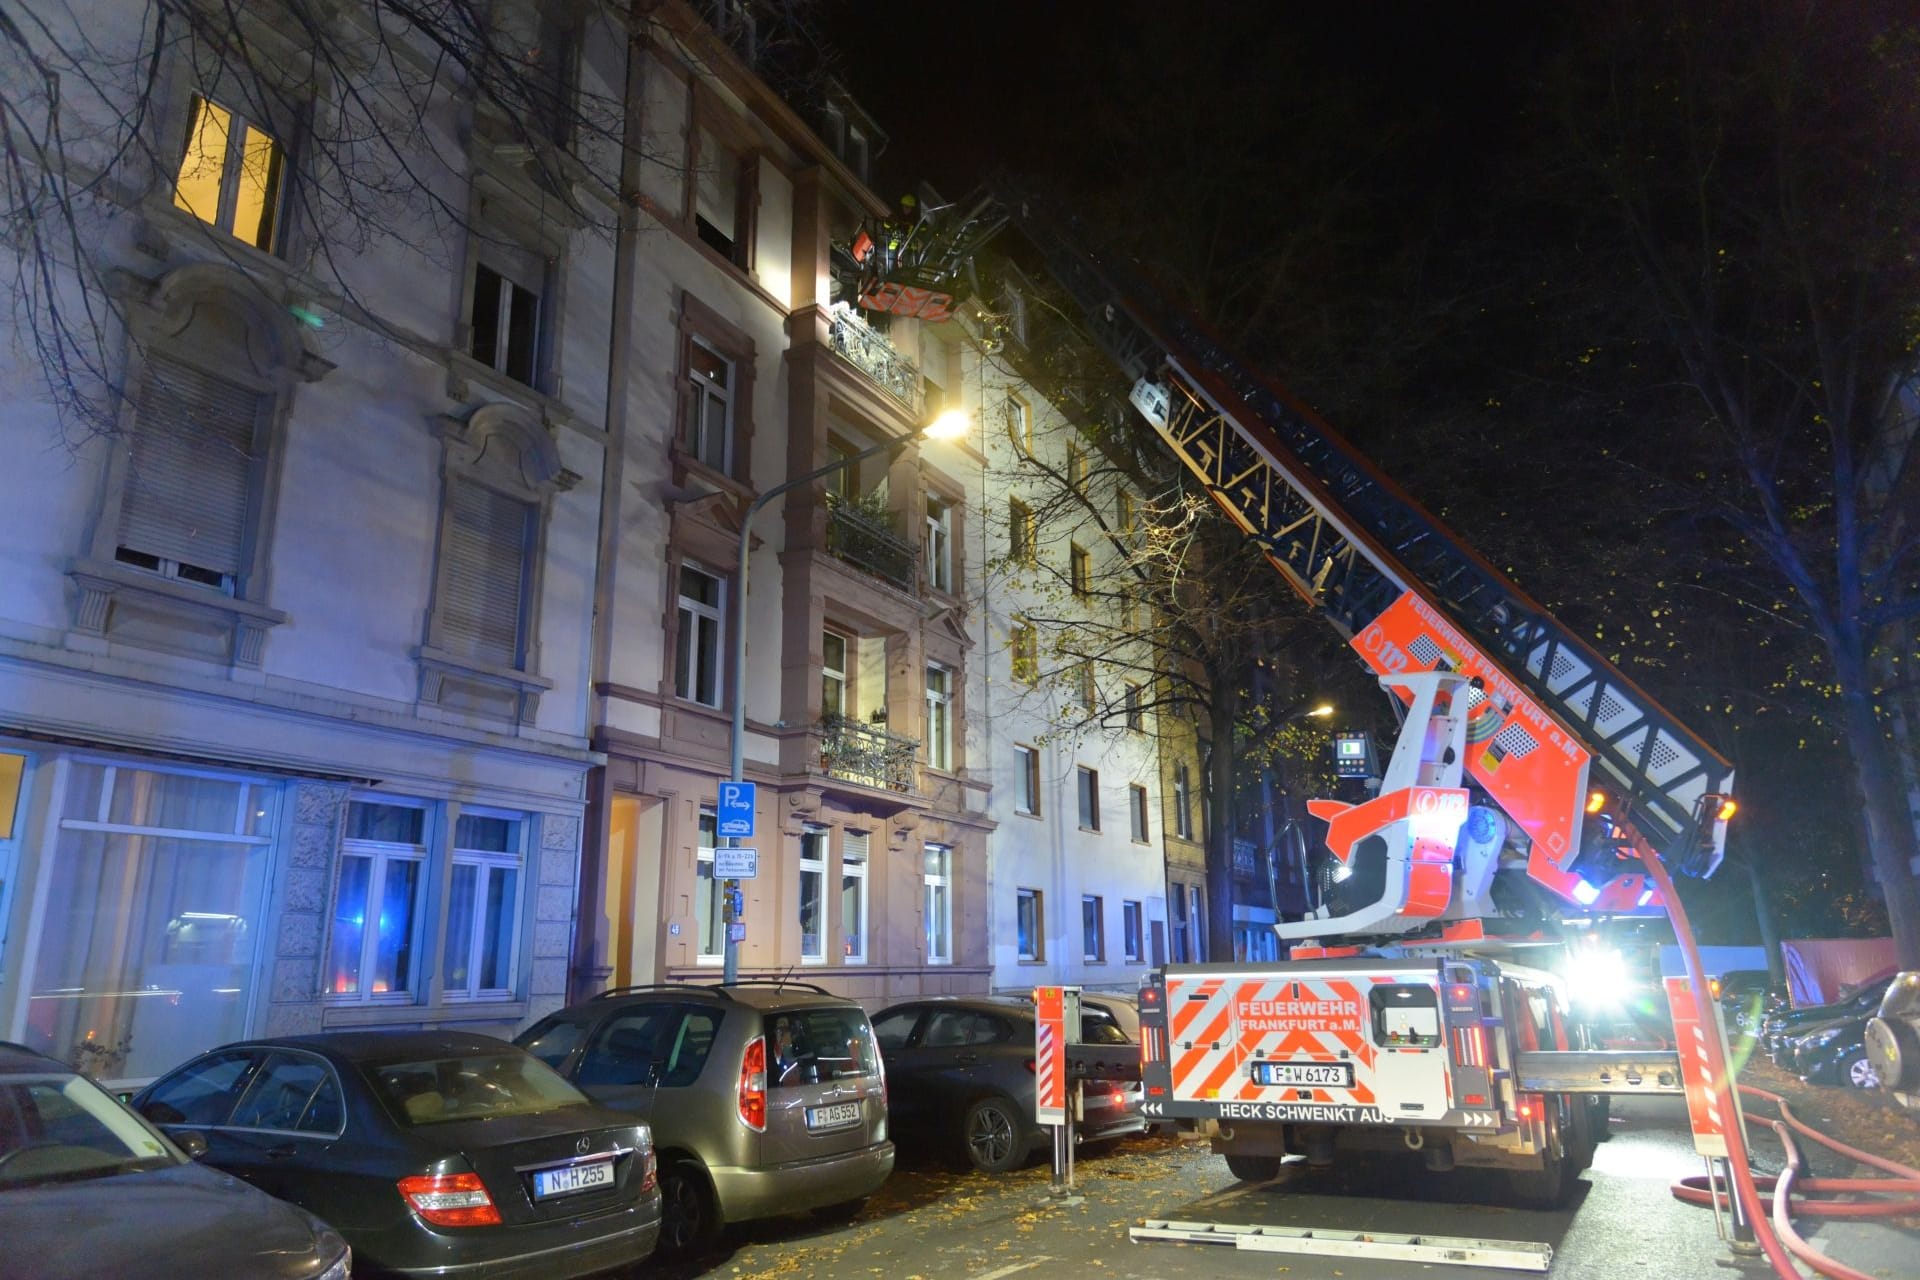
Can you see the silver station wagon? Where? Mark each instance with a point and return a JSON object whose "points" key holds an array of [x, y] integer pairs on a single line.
{"points": [[765, 1098]]}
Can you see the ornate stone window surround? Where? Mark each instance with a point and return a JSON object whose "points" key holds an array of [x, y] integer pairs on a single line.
{"points": [[698, 320], [503, 448], [269, 357], [510, 216]]}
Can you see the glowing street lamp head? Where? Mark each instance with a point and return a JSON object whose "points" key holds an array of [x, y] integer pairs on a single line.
{"points": [[1323, 710], [950, 425]]}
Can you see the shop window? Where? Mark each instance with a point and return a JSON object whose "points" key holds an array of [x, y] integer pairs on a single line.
{"points": [[155, 896]]}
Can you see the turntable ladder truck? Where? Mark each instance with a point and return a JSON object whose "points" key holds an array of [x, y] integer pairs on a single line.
{"points": [[1406, 1016]]}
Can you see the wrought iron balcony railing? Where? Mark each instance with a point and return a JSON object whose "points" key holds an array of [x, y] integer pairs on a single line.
{"points": [[867, 545], [871, 353], [1246, 858], [873, 757]]}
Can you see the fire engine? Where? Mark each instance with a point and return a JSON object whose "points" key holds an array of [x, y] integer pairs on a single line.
{"points": [[1530, 783]]}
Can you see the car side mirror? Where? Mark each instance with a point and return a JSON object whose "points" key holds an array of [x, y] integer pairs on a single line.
{"points": [[192, 1142]]}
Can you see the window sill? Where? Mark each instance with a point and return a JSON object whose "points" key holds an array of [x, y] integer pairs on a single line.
{"points": [[685, 466], [1035, 961], [464, 684], [1092, 831], [1027, 813], [463, 369], [453, 1009], [238, 626]]}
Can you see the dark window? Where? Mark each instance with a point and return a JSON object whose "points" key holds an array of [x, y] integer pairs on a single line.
{"points": [[553, 1041], [1097, 1026], [386, 823], [202, 1092], [506, 324], [1089, 780], [691, 1045], [291, 1092], [957, 1028], [631, 1048], [478, 1086], [817, 1046], [893, 1030], [1405, 1015]]}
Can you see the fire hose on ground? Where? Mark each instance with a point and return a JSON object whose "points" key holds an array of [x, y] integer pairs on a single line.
{"points": [[1903, 1180], [1775, 1233]]}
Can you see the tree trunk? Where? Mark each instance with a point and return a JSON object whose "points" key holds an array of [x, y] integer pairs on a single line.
{"points": [[1769, 924], [1884, 804], [1223, 717]]}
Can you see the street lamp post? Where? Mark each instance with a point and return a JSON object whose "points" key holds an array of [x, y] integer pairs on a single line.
{"points": [[948, 426]]}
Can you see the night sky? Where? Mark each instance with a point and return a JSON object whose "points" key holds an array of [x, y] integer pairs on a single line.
{"points": [[1432, 110], [958, 87]]}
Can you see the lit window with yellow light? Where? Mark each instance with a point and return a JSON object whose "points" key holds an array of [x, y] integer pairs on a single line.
{"points": [[231, 174]]}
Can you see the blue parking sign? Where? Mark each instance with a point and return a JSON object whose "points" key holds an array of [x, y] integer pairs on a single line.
{"points": [[736, 810]]}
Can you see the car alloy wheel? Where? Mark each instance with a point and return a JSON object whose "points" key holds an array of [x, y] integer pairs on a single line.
{"points": [[991, 1135], [1861, 1075], [688, 1222]]}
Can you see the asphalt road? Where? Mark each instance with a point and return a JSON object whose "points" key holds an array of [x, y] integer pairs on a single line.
{"points": [[937, 1222]]}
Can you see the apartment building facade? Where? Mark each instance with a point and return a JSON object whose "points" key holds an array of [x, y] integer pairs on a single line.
{"points": [[374, 667], [859, 663], [1085, 812], [294, 650]]}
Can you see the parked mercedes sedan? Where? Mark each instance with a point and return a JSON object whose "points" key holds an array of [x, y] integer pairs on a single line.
{"points": [[88, 1188], [433, 1153]]}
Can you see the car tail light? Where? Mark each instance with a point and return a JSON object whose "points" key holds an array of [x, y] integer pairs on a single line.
{"points": [[650, 1172], [450, 1200], [753, 1085], [1031, 1069]]}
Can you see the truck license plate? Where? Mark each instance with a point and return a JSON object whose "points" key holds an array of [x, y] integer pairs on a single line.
{"points": [[571, 1178], [1338, 1075], [837, 1116]]}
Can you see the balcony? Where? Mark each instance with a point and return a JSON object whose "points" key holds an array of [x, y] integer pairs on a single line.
{"points": [[854, 752], [1246, 858], [871, 353], [857, 536]]}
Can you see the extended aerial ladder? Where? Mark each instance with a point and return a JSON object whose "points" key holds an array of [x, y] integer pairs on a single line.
{"points": [[1412, 598], [1416, 1030]]}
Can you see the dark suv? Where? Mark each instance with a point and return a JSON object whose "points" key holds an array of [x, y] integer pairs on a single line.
{"points": [[964, 1065], [765, 1098]]}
